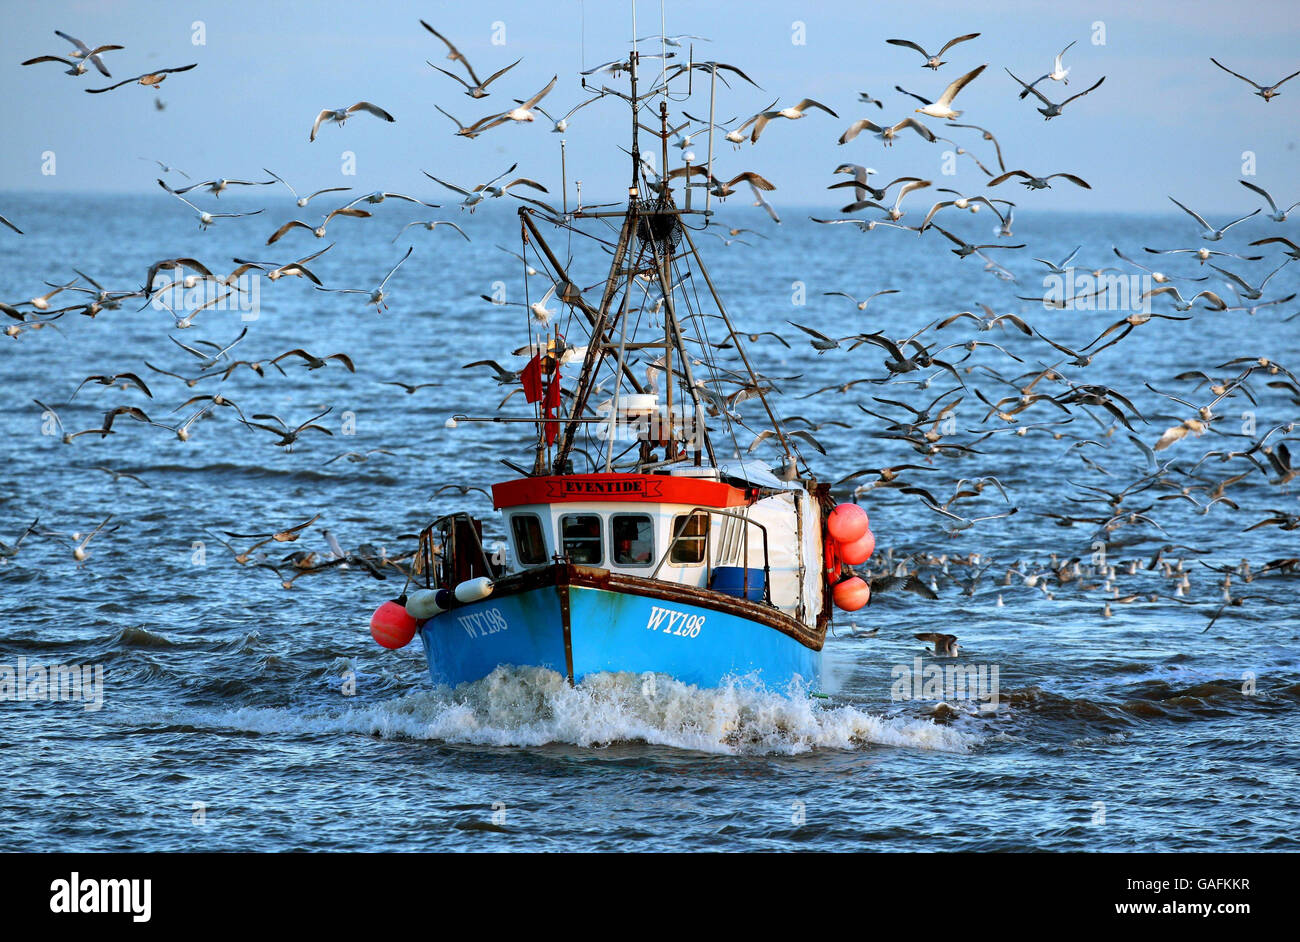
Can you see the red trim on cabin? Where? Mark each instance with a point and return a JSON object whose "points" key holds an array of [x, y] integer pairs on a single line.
{"points": [[645, 488]]}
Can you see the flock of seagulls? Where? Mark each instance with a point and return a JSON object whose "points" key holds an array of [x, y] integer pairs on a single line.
{"points": [[1028, 385]]}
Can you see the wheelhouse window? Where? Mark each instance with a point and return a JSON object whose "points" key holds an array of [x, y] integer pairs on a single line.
{"points": [[530, 545], [690, 535], [632, 539], [580, 537]]}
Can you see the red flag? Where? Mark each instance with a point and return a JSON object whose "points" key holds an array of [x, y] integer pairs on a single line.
{"points": [[551, 406], [531, 378]]}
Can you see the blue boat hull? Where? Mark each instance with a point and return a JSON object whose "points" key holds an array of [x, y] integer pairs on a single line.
{"points": [[578, 626]]}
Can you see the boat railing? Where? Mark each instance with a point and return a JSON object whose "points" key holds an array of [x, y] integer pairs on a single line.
{"points": [[747, 522], [451, 553]]}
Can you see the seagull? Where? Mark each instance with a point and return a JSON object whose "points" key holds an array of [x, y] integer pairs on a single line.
{"points": [[988, 136], [861, 305], [84, 52], [895, 213], [1060, 269], [76, 66], [205, 218], [562, 125], [314, 362], [722, 189], [215, 187], [377, 296], [1202, 254], [1038, 183], [1247, 291], [485, 190], [1053, 109], [965, 248], [943, 107], [1278, 215], [521, 114], [861, 188], [1159, 278], [1211, 234], [965, 523], [166, 169], [1216, 303], [288, 436], [296, 269], [961, 202], [304, 200], [10, 225], [468, 131], [737, 135], [319, 231], [931, 62], [125, 380], [378, 196], [340, 115], [79, 552], [1265, 93], [673, 40], [944, 645], [887, 135], [478, 89], [1059, 72], [794, 112], [149, 79], [1292, 249], [431, 225]]}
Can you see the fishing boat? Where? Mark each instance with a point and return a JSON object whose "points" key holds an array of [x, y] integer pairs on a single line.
{"points": [[638, 540]]}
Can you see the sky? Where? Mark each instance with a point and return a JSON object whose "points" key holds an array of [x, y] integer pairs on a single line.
{"points": [[1165, 122]]}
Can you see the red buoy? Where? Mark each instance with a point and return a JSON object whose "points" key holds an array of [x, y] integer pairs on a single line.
{"points": [[391, 626], [847, 523], [859, 551], [851, 594]]}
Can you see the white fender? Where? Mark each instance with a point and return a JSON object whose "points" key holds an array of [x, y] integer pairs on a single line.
{"points": [[422, 604], [471, 590]]}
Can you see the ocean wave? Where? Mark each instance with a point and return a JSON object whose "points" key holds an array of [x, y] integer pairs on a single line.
{"points": [[535, 707]]}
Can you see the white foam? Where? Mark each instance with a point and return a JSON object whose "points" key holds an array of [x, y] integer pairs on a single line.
{"points": [[533, 707]]}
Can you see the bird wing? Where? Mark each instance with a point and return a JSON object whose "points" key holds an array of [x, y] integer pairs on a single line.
{"points": [[810, 103], [1084, 92], [1261, 191], [316, 126], [909, 44], [373, 109], [951, 91], [542, 94], [500, 72], [959, 39], [1238, 74]]}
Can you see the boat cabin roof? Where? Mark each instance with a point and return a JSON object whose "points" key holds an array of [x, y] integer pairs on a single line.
{"points": [[647, 488]]}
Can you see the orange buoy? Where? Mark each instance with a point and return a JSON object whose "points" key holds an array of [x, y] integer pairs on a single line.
{"points": [[391, 626], [847, 523], [851, 594], [832, 559], [859, 551]]}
